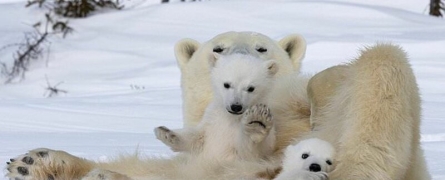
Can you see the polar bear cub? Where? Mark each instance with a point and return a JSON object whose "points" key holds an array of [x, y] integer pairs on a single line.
{"points": [[310, 159], [236, 124]]}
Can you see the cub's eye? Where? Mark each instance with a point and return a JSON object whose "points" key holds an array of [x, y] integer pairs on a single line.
{"points": [[329, 162], [218, 49], [261, 50], [304, 156], [227, 85], [250, 89]]}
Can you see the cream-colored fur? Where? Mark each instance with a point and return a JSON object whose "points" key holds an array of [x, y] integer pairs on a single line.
{"points": [[45, 163], [59, 165], [290, 107], [225, 135], [222, 146], [192, 58], [372, 118], [321, 86]]}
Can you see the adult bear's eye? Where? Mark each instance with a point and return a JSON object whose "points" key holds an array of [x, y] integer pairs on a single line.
{"points": [[329, 162], [227, 85], [261, 50], [304, 156], [218, 49], [250, 89]]}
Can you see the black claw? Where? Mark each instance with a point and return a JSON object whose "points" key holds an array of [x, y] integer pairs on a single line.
{"points": [[28, 160], [12, 160], [23, 171], [42, 153], [50, 177], [8, 163]]}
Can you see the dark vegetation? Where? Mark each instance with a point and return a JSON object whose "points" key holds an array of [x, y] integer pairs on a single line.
{"points": [[437, 7], [36, 44], [75, 8]]}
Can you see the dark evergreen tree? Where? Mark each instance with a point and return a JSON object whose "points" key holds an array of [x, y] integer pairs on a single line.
{"points": [[436, 8], [76, 8]]}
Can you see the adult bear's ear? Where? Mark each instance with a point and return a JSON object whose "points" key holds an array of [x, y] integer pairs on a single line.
{"points": [[184, 50], [295, 47]]}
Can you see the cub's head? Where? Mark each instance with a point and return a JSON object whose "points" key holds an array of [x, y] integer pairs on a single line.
{"points": [[311, 154], [241, 80]]}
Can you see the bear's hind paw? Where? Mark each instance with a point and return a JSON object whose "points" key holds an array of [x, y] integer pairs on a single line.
{"points": [[46, 164]]}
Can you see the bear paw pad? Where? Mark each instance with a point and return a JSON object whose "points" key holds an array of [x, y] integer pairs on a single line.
{"points": [[257, 122]]}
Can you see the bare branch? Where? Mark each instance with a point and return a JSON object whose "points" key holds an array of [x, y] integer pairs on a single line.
{"points": [[53, 90]]}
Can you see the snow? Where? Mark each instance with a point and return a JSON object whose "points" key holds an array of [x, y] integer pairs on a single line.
{"points": [[122, 80]]}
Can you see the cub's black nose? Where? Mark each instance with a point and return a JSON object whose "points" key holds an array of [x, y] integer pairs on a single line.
{"points": [[314, 168], [236, 108]]}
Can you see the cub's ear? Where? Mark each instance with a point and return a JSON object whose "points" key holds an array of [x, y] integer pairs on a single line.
{"points": [[272, 67], [184, 50], [295, 47], [214, 57]]}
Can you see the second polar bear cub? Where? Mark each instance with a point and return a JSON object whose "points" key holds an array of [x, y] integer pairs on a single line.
{"points": [[309, 159], [236, 125]]}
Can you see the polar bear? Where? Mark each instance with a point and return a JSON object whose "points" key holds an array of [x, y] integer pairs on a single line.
{"points": [[233, 140], [235, 125], [369, 110], [192, 58], [309, 159]]}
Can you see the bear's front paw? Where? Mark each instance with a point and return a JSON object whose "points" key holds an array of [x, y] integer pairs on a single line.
{"points": [[168, 137], [257, 122]]}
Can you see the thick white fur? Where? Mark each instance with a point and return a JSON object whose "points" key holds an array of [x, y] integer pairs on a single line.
{"points": [[371, 117], [223, 136], [319, 152], [193, 57], [297, 168], [222, 146]]}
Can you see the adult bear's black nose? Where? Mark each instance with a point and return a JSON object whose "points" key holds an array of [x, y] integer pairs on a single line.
{"points": [[236, 108], [314, 167]]}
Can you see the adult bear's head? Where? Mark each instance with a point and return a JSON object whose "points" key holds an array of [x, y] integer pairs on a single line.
{"points": [[193, 58]]}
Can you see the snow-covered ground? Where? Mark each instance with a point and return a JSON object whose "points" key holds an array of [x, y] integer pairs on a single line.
{"points": [[122, 80]]}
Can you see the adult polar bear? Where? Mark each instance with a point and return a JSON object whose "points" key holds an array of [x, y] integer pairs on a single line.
{"points": [[369, 109], [192, 58]]}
